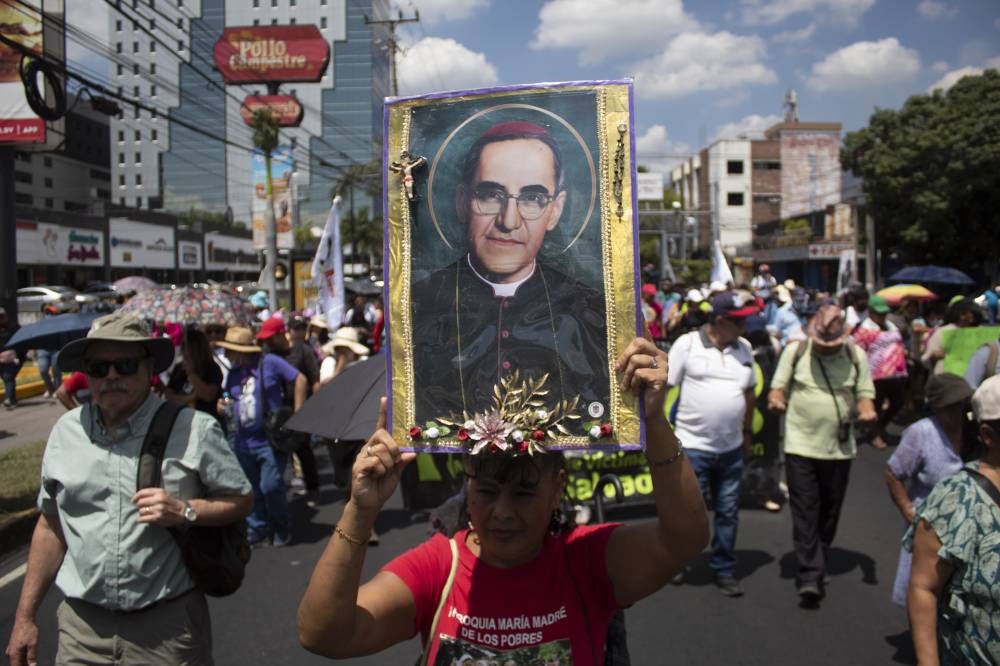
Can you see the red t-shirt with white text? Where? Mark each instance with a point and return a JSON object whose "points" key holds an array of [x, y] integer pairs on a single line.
{"points": [[554, 609]]}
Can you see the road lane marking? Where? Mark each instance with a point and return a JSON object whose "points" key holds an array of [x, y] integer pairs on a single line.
{"points": [[13, 575]]}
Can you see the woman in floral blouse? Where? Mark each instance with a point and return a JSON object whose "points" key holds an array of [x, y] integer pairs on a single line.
{"points": [[954, 598]]}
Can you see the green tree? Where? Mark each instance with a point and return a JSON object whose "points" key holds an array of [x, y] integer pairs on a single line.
{"points": [[359, 228], [932, 175]]}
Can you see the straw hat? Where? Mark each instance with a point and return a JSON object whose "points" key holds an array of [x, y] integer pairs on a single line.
{"points": [[828, 327], [118, 327], [240, 339], [345, 336]]}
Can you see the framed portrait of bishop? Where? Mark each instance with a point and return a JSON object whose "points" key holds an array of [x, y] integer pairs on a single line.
{"points": [[511, 268]]}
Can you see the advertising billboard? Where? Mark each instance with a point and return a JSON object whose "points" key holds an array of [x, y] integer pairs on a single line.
{"points": [[20, 22], [285, 109], [281, 184], [140, 245], [39, 243], [189, 255], [276, 53], [230, 253]]}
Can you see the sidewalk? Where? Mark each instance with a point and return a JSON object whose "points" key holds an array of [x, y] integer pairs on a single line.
{"points": [[29, 422]]}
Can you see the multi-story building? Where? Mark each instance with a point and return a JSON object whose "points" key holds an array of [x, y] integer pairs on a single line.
{"points": [[166, 60], [772, 199]]}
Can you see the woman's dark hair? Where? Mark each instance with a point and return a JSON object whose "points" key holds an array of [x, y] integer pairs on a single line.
{"points": [[958, 308], [199, 349]]}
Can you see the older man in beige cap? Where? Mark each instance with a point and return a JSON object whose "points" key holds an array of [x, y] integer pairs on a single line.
{"points": [[109, 549]]}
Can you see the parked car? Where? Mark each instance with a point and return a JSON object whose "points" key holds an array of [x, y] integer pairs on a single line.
{"points": [[54, 298], [107, 297]]}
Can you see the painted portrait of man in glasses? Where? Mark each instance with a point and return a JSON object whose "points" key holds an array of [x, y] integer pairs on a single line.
{"points": [[503, 306]]}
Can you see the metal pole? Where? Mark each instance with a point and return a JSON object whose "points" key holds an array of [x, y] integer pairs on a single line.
{"points": [[870, 258], [271, 249], [8, 237], [682, 223]]}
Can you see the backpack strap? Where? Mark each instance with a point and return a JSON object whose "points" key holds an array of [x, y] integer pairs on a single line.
{"points": [[985, 484], [150, 474], [444, 598]]}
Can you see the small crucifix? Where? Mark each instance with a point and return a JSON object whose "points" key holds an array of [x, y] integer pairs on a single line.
{"points": [[406, 164]]}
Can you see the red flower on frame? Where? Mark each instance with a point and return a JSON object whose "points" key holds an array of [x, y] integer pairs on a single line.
{"points": [[522, 447], [463, 434], [538, 435], [415, 432], [605, 429]]}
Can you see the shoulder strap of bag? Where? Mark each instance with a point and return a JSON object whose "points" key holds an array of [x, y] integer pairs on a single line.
{"points": [[985, 484], [153, 446], [802, 346], [441, 603], [991, 360]]}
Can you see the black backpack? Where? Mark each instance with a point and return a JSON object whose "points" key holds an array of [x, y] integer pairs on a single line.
{"points": [[215, 556]]}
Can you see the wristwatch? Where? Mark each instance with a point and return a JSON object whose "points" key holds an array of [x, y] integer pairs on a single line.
{"points": [[190, 515]]}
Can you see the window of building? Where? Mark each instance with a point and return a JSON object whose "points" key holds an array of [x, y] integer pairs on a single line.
{"points": [[121, 136], [152, 91], [135, 68], [322, 22], [138, 158], [47, 161], [274, 3], [121, 159], [322, 3], [121, 181], [152, 47], [152, 68], [734, 198], [180, 23], [138, 136], [48, 182], [256, 4], [734, 166], [118, 47], [256, 21], [23, 156], [121, 201], [25, 199], [152, 114], [767, 165], [291, 21], [135, 91], [773, 198], [274, 21], [152, 24], [291, 3], [138, 180], [23, 177], [135, 47], [118, 25], [48, 202], [180, 44], [120, 69], [155, 135]]}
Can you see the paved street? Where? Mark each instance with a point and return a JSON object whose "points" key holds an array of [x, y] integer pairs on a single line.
{"points": [[687, 624], [29, 422]]}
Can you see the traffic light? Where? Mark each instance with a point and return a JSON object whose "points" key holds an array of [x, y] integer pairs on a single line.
{"points": [[280, 271]]}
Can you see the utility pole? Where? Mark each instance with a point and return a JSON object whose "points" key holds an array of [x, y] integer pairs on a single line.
{"points": [[8, 236], [392, 44]]}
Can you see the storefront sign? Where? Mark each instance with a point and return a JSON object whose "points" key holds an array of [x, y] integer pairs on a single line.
{"points": [[141, 245], [649, 186], [21, 23], [230, 253], [50, 244], [285, 109], [262, 54], [189, 255], [828, 250]]}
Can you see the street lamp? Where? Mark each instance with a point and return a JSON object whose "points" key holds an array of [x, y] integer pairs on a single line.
{"points": [[676, 205]]}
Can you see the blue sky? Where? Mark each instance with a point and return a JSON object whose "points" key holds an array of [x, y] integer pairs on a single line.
{"points": [[708, 69], [703, 70]]}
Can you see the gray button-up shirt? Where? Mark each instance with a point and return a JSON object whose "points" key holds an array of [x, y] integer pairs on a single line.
{"points": [[88, 480]]}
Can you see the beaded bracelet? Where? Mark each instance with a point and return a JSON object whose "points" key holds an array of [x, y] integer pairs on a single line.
{"points": [[669, 461], [347, 537]]}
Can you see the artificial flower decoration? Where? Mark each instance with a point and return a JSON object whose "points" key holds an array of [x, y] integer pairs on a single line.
{"points": [[415, 432], [490, 430]]}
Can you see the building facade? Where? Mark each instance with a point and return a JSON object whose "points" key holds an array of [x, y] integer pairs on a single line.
{"points": [[164, 161]]}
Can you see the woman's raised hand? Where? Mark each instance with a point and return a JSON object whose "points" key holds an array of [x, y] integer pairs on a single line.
{"points": [[643, 365], [377, 469]]}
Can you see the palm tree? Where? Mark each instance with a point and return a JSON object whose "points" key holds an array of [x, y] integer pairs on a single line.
{"points": [[366, 178]]}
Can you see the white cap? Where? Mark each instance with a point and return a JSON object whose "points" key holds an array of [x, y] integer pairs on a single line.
{"points": [[986, 400], [694, 296]]}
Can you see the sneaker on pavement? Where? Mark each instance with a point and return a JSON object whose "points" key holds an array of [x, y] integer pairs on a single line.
{"points": [[257, 540], [281, 540], [312, 499], [729, 586], [810, 591]]}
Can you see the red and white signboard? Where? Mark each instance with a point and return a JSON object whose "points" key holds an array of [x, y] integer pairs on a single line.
{"points": [[285, 109], [268, 54], [20, 22]]}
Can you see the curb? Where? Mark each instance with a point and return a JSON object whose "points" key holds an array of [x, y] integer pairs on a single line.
{"points": [[15, 532]]}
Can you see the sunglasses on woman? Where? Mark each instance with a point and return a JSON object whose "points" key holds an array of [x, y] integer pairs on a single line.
{"points": [[126, 367]]}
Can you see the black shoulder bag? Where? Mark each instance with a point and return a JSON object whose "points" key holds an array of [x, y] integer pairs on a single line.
{"points": [[985, 484], [285, 441], [215, 556]]}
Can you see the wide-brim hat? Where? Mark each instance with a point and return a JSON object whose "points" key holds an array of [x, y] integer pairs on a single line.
{"points": [[118, 327], [828, 327], [318, 321], [946, 389], [240, 339], [345, 336]]}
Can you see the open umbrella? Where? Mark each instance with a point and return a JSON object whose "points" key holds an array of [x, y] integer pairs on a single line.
{"points": [[191, 305], [347, 407], [931, 274], [135, 284], [894, 294], [53, 332]]}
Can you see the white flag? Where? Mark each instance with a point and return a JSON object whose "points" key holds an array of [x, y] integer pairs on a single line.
{"points": [[720, 269], [845, 270], [328, 271]]}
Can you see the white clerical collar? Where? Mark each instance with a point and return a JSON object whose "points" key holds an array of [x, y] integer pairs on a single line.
{"points": [[505, 290]]}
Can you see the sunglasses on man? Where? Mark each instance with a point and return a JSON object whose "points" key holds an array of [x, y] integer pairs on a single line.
{"points": [[126, 367]]}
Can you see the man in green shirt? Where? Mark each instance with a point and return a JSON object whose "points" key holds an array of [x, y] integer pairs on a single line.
{"points": [[129, 597], [818, 389]]}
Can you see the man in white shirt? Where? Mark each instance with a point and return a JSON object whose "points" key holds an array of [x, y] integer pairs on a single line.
{"points": [[713, 367]]}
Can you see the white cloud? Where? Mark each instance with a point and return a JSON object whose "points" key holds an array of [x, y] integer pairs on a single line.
{"points": [[770, 12], [655, 151], [864, 65], [439, 11], [929, 9], [939, 67], [954, 76], [434, 64], [653, 141], [750, 127], [699, 61], [599, 28], [795, 36]]}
